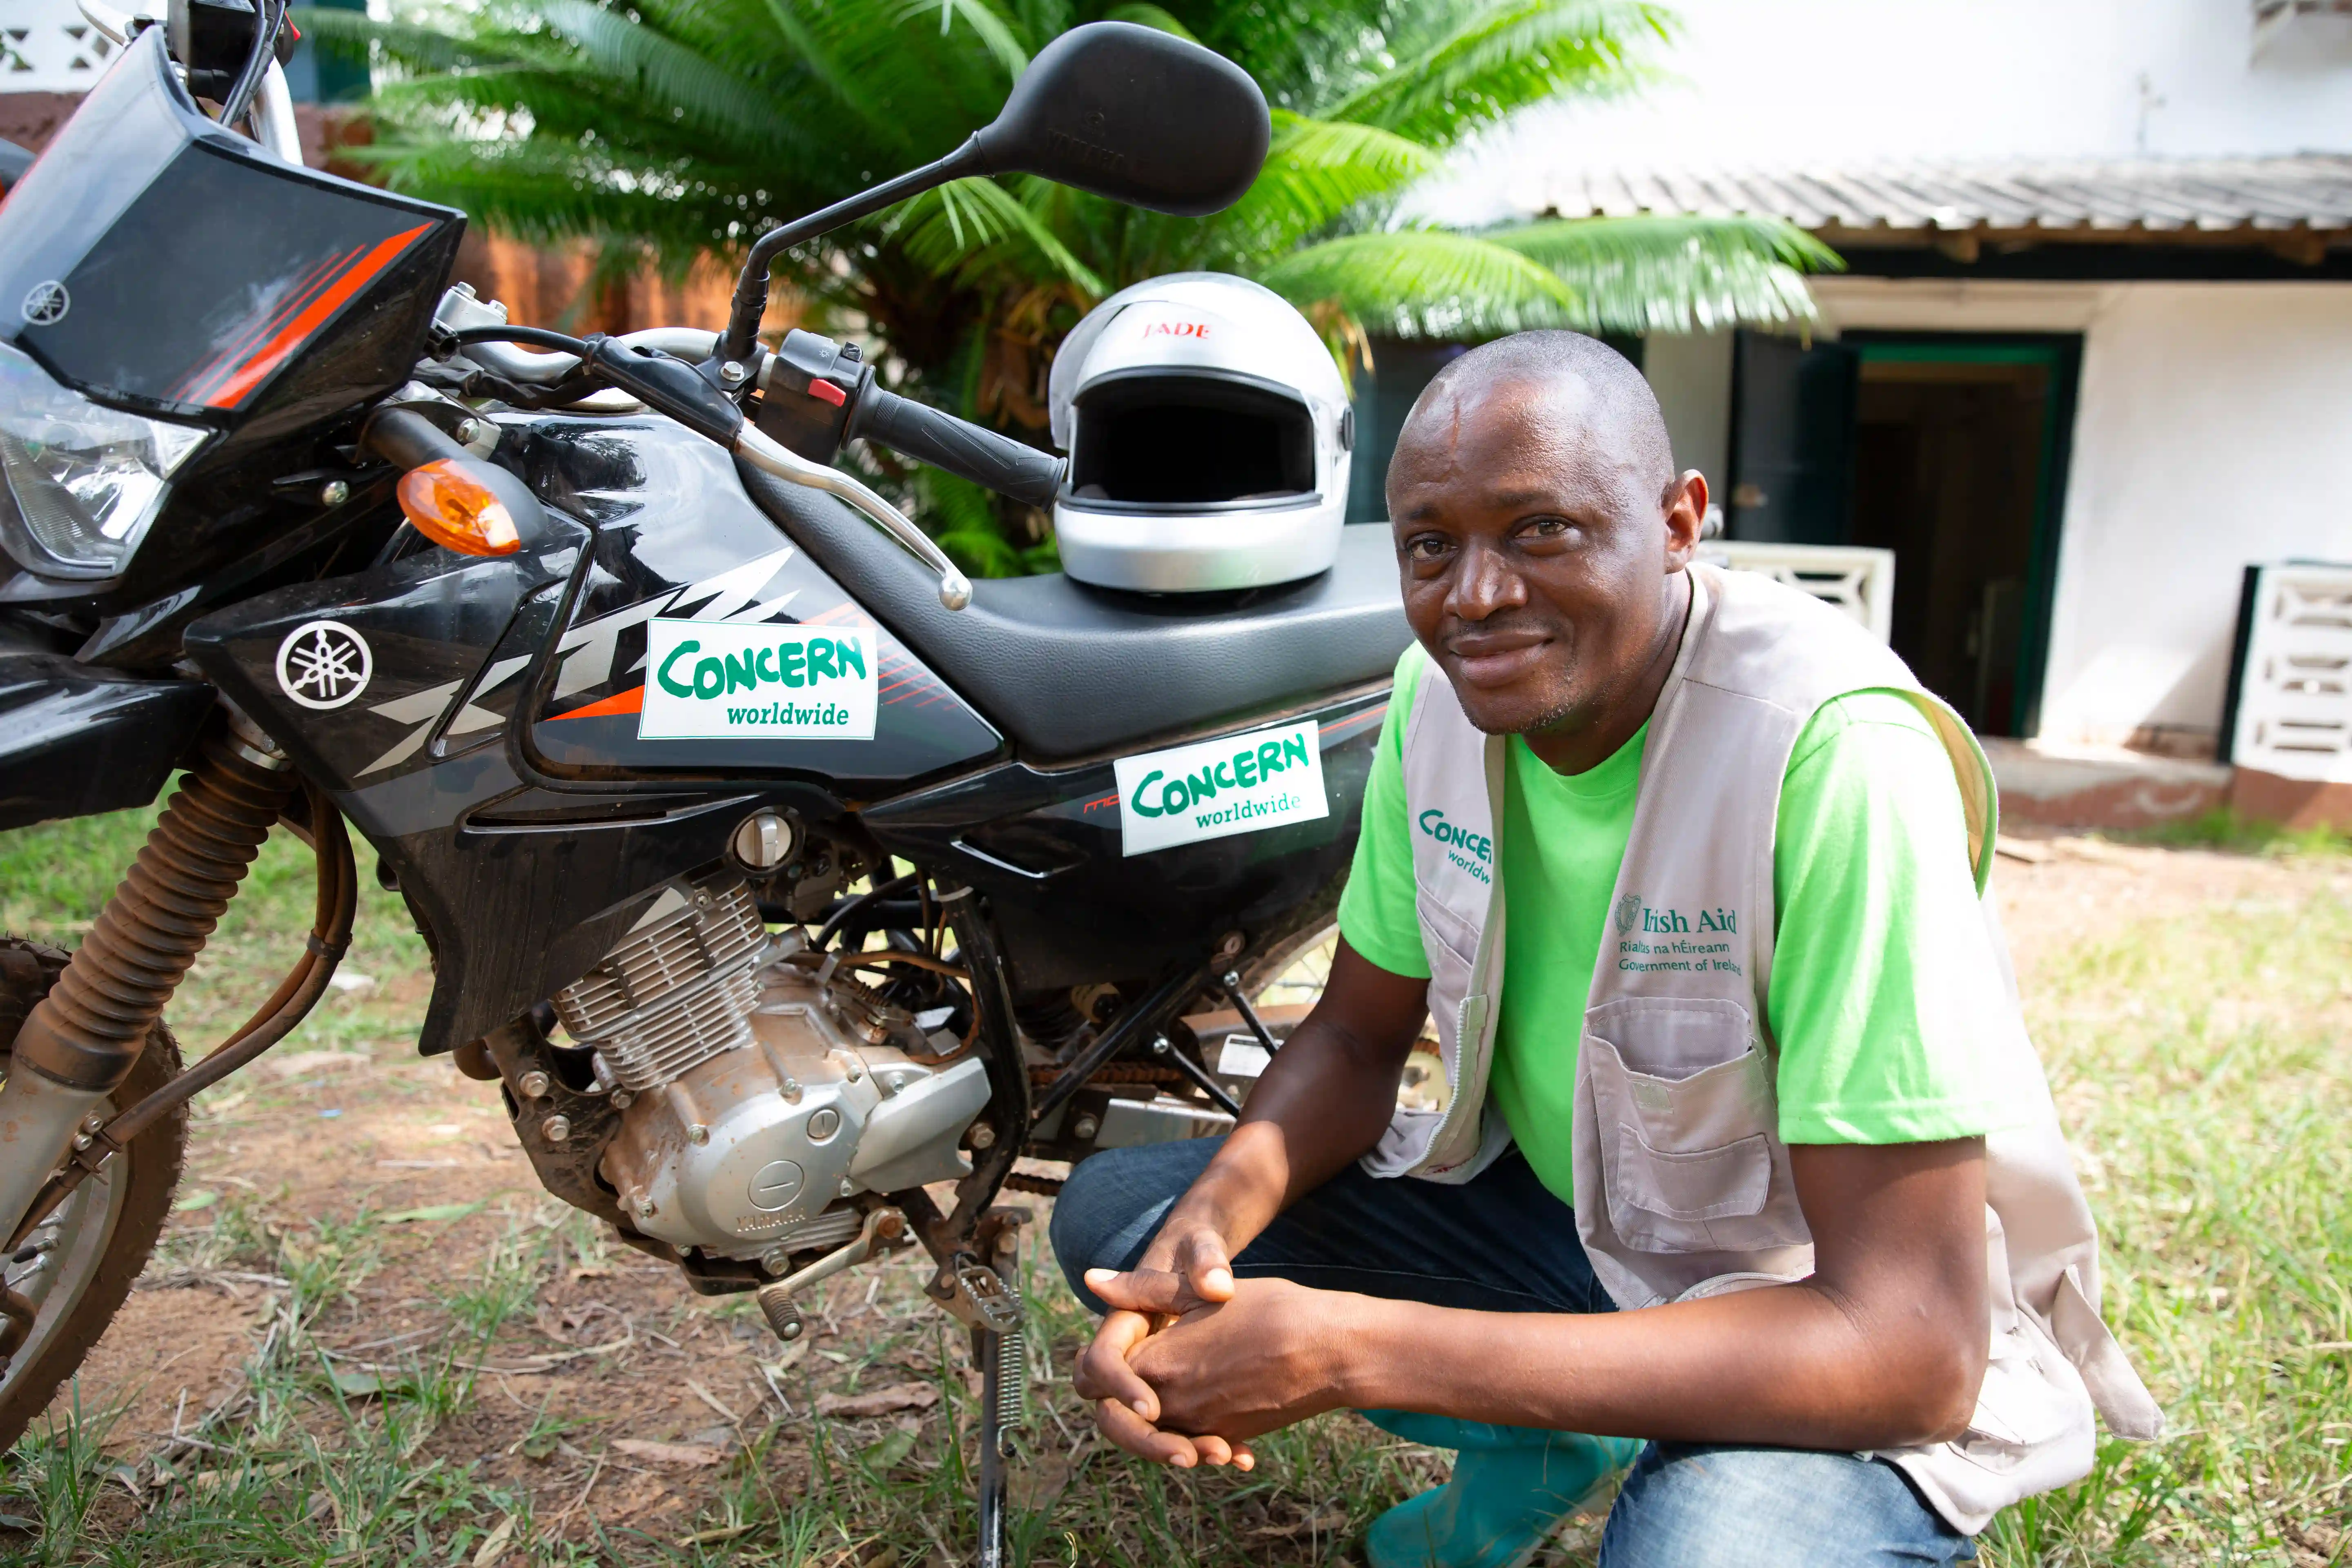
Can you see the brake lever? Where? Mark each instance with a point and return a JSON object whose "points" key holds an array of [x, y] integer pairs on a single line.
{"points": [[677, 389]]}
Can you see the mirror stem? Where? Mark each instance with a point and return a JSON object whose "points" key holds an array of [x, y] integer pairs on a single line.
{"points": [[752, 288]]}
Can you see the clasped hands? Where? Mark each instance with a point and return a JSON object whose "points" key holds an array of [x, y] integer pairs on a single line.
{"points": [[1191, 1364]]}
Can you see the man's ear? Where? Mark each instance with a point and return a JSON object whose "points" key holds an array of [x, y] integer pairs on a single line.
{"points": [[1685, 511]]}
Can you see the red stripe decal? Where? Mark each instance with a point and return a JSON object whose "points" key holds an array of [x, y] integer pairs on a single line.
{"points": [[206, 375], [633, 701], [281, 346]]}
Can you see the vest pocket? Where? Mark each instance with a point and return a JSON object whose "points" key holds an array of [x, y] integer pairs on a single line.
{"points": [[1690, 1163], [2032, 1414], [1706, 1184]]}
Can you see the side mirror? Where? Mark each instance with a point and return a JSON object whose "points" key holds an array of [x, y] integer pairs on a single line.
{"points": [[1134, 114]]}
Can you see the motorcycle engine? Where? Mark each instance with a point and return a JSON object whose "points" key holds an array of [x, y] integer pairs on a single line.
{"points": [[763, 1085]]}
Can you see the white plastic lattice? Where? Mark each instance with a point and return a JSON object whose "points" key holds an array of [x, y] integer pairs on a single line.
{"points": [[2295, 700], [46, 46], [1859, 581]]}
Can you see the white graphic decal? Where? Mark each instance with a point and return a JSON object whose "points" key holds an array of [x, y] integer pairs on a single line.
{"points": [[724, 680], [323, 664], [590, 649], [1215, 788]]}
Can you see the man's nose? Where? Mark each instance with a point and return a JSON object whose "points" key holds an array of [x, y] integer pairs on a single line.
{"points": [[1484, 582]]}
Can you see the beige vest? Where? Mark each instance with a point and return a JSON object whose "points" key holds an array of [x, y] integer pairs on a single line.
{"points": [[1683, 1186]]}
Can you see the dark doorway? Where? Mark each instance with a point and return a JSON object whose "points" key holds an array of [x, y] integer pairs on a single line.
{"points": [[1948, 449], [1791, 439]]}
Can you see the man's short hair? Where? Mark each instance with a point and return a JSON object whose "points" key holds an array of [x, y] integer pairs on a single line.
{"points": [[1623, 410]]}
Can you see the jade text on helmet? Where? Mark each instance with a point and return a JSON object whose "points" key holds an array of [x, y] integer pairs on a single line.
{"points": [[1209, 434]]}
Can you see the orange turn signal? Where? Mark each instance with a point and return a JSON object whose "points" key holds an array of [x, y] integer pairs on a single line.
{"points": [[454, 509]]}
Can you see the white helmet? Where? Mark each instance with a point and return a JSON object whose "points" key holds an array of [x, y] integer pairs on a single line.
{"points": [[1208, 432]]}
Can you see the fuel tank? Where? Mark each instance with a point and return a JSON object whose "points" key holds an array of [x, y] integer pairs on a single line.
{"points": [[527, 835]]}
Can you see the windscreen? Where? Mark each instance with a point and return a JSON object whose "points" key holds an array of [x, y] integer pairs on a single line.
{"points": [[151, 257]]}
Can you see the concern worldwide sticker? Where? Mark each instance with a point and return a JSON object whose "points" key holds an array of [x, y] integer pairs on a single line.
{"points": [[1215, 788], [718, 682]]}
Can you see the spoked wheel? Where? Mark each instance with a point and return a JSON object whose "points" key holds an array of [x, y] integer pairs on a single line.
{"points": [[1291, 975], [1286, 980], [79, 1266]]}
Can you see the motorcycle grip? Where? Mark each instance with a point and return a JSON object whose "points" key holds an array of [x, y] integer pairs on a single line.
{"points": [[996, 462]]}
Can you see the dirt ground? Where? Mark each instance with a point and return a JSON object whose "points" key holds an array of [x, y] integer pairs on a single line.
{"points": [[611, 1393]]}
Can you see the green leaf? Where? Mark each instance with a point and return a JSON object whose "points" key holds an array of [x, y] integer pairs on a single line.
{"points": [[1476, 63], [979, 221], [436, 1212], [353, 1384], [1151, 17], [1425, 283], [984, 23], [892, 1449], [1316, 171], [199, 1198], [1676, 273]]}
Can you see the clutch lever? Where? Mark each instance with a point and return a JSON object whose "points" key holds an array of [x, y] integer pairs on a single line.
{"points": [[772, 456]]}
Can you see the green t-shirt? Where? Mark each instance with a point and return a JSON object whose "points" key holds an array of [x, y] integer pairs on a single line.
{"points": [[1870, 880]]}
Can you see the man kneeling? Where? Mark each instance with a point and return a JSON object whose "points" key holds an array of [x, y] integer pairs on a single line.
{"points": [[1746, 1148]]}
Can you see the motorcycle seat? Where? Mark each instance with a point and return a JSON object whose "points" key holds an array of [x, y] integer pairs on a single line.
{"points": [[1068, 671]]}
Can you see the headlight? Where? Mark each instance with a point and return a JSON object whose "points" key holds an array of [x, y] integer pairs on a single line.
{"points": [[81, 482]]}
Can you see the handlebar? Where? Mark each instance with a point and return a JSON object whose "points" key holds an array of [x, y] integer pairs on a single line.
{"points": [[526, 368], [671, 385], [994, 462]]}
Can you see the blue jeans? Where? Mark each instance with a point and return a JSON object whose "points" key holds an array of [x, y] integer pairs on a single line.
{"points": [[1503, 1243]]}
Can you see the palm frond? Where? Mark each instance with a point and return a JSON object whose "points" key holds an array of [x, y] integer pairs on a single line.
{"points": [[699, 91], [1503, 56], [967, 225], [1424, 283], [988, 27], [414, 46], [1304, 53], [1676, 273], [1316, 171], [1146, 15]]}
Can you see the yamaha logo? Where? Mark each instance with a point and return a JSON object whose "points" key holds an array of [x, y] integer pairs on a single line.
{"points": [[323, 664], [45, 304]]}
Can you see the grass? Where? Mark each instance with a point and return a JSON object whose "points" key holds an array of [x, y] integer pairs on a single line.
{"points": [[2199, 1060], [2225, 829]]}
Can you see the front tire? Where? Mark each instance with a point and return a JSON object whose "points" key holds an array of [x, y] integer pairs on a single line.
{"points": [[102, 1235]]}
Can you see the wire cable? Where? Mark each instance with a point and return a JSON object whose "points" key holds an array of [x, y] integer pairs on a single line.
{"points": [[267, 20], [540, 335]]}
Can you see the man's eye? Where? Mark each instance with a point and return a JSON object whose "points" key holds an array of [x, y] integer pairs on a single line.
{"points": [[1425, 548], [1546, 528]]}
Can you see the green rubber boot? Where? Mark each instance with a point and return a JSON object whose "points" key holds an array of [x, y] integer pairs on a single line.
{"points": [[1511, 1485]]}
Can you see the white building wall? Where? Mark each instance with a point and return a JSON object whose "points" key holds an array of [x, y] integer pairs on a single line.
{"points": [[47, 46], [2213, 429]]}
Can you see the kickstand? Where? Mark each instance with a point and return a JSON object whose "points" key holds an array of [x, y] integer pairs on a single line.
{"points": [[995, 1444], [986, 1283]]}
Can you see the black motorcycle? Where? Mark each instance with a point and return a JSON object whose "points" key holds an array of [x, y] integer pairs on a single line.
{"points": [[777, 874]]}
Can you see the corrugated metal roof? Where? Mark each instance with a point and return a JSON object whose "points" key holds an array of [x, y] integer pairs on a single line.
{"points": [[2083, 197]]}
